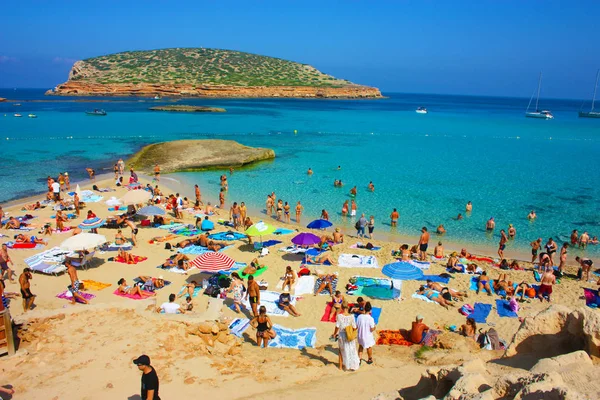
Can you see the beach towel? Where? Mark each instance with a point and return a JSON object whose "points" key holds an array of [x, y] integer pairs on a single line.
{"points": [[293, 249], [293, 338], [483, 259], [421, 297], [28, 246], [305, 261], [136, 259], [377, 288], [270, 299], [139, 282], [170, 226], [473, 284], [257, 273], [420, 264], [436, 259], [504, 310], [390, 337], [225, 222], [227, 236], [68, 296], [434, 278], [178, 270], [197, 290], [116, 247], [375, 313], [238, 326], [132, 296], [430, 337], [326, 313], [283, 231], [270, 243], [325, 291], [197, 250], [481, 312], [94, 285], [355, 246], [592, 298], [357, 261], [304, 285]]}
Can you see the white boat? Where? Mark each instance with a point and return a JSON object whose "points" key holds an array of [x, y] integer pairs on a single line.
{"points": [[157, 97], [592, 113], [17, 115], [543, 114], [32, 116], [421, 110], [17, 104]]}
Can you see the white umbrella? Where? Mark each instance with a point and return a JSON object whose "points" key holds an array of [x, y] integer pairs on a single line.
{"points": [[78, 191], [113, 201], [83, 241], [136, 197]]}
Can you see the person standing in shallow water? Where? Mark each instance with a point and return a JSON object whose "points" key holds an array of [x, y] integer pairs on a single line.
{"points": [[502, 244], [469, 207], [423, 243], [394, 217], [298, 212]]}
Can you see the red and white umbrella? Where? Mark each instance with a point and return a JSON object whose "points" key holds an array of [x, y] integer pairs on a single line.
{"points": [[213, 262]]}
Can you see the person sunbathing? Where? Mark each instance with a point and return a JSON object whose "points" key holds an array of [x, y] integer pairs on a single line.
{"points": [[119, 238], [326, 283], [184, 243], [126, 256], [20, 238], [324, 243], [173, 261], [503, 284], [285, 303], [434, 296], [289, 278], [523, 289], [14, 223], [215, 246], [336, 305], [188, 290], [439, 288], [160, 220], [464, 253], [31, 207], [319, 259], [338, 237], [154, 283], [163, 238], [131, 290], [452, 263], [253, 267], [483, 283]]}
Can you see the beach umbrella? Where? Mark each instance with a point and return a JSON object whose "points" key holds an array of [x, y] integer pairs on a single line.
{"points": [[213, 262], [78, 190], [260, 228], [91, 223], [83, 241], [150, 211], [402, 270], [113, 201], [138, 196], [319, 224], [306, 239]]}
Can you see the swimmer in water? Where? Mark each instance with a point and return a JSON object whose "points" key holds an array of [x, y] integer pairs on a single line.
{"points": [[371, 187], [310, 171], [441, 230], [339, 167], [490, 224], [459, 217], [512, 232], [531, 216], [353, 191], [469, 207]]}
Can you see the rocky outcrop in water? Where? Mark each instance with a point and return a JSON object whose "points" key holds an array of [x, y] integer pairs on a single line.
{"points": [[190, 155], [184, 108]]}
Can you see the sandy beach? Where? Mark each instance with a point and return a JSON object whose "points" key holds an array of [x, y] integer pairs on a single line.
{"points": [[85, 351]]}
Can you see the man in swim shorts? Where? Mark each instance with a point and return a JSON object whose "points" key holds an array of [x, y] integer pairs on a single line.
{"points": [[502, 244], [394, 217], [235, 215], [423, 243], [535, 247], [28, 297], [253, 295], [157, 172], [548, 279], [75, 284]]}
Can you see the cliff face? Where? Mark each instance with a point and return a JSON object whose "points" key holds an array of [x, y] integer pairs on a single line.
{"points": [[77, 88]]}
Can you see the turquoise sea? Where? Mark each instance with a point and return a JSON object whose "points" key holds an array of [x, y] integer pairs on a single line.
{"points": [[480, 149]]}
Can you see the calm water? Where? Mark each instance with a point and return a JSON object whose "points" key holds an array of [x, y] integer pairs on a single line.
{"points": [[427, 166]]}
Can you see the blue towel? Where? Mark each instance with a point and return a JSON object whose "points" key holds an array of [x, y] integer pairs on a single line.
{"points": [[481, 312], [504, 310], [227, 236], [293, 338], [375, 313], [270, 243], [283, 231], [434, 278]]}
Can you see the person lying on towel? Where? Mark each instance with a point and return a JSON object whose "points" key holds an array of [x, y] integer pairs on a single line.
{"points": [[253, 267], [319, 259], [20, 238]]}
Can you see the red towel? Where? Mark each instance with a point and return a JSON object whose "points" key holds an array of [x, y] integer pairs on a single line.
{"points": [[388, 337], [131, 296], [136, 259], [325, 317]]}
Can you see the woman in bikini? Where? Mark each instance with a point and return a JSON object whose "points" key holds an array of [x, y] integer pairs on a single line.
{"points": [[483, 283], [264, 327], [289, 278], [279, 209], [326, 282], [131, 290], [434, 296], [286, 212], [336, 305], [469, 329]]}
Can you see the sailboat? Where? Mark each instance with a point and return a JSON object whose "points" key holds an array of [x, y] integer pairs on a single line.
{"points": [[592, 113], [544, 114]]}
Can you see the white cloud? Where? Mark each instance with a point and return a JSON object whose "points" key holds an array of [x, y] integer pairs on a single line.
{"points": [[7, 59]]}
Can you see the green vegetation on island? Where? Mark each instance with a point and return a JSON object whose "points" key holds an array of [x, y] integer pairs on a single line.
{"points": [[199, 66], [184, 108]]}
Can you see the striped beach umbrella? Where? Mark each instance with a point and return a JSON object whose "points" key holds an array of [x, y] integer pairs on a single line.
{"points": [[213, 262], [402, 271], [91, 223]]}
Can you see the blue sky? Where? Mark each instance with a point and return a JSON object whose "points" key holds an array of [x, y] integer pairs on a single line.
{"points": [[454, 47]]}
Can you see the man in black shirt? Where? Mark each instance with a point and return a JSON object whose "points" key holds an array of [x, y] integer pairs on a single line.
{"points": [[149, 378]]}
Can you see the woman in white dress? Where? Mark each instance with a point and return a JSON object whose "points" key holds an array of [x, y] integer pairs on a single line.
{"points": [[348, 354]]}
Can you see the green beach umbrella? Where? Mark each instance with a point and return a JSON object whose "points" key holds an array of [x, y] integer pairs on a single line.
{"points": [[260, 229]]}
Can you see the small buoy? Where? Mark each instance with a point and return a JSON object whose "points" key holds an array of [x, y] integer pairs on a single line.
{"points": [[295, 131]]}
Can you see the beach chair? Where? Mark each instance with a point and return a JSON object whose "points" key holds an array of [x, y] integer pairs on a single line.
{"points": [[85, 262]]}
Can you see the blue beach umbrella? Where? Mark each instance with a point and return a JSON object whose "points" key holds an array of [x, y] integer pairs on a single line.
{"points": [[319, 224], [306, 239], [150, 211], [91, 223], [402, 270]]}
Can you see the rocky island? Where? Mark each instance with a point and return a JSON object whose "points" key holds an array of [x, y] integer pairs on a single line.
{"points": [[195, 155], [184, 108], [200, 72]]}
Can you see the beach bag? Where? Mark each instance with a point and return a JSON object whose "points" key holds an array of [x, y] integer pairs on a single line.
{"points": [[466, 310], [351, 333], [304, 272], [530, 292], [212, 291], [369, 246], [357, 225]]}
